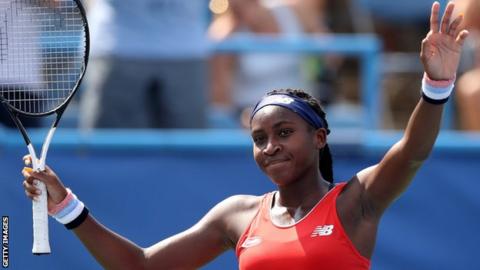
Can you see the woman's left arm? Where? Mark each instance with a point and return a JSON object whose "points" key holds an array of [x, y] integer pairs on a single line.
{"points": [[440, 55]]}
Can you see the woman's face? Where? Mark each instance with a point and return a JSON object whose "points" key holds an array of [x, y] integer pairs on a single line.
{"points": [[285, 147]]}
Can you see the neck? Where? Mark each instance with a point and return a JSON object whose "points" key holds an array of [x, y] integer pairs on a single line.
{"points": [[303, 193]]}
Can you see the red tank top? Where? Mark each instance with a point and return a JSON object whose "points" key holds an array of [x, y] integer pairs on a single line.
{"points": [[317, 241]]}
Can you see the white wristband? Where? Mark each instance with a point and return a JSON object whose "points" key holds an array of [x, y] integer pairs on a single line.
{"points": [[73, 214], [437, 90]]}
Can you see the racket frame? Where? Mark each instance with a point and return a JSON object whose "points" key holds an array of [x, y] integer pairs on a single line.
{"points": [[41, 243]]}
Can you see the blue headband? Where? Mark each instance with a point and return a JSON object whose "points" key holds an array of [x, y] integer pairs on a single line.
{"points": [[293, 103]]}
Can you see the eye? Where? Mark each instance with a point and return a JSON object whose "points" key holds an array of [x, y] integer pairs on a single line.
{"points": [[258, 139], [285, 132]]}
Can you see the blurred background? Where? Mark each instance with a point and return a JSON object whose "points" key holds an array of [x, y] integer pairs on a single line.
{"points": [[158, 132]]}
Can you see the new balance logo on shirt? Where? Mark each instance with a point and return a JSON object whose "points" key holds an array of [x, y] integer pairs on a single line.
{"points": [[323, 230], [252, 241]]}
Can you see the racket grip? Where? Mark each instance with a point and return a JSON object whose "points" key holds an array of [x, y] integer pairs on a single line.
{"points": [[41, 243]]}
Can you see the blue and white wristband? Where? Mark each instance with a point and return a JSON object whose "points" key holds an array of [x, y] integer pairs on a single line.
{"points": [[436, 92], [71, 211]]}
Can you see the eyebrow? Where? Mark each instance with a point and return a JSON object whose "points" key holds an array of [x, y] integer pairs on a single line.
{"points": [[276, 125]]}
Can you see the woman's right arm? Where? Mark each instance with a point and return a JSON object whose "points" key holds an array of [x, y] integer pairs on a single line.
{"points": [[111, 250], [187, 250]]}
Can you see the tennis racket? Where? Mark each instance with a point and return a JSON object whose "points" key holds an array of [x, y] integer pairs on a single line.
{"points": [[44, 47]]}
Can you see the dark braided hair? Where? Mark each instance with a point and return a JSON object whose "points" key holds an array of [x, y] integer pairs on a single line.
{"points": [[326, 162]]}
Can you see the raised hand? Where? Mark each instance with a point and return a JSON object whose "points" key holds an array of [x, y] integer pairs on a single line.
{"points": [[441, 48]]}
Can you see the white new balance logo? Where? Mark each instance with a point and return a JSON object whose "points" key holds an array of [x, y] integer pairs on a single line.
{"points": [[252, 241], [323, 230]]}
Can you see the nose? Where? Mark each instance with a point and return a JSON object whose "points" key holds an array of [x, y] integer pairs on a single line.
{"points": [[271, 148]]}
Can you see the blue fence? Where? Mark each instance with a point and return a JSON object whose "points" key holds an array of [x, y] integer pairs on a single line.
{"points": [[149, 185]]}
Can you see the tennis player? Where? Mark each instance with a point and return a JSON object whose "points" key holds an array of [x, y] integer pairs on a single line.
{"points": [[309, 222]]}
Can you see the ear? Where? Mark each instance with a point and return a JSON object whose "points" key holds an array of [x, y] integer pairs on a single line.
{"points": [[320, 138]]}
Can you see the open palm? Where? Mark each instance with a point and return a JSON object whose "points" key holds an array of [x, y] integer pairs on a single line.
{"points": [[441, 47]]}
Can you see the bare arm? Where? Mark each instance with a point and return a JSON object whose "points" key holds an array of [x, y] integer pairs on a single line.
{"points": [[440, 55], [111, 250], [202, 242]]}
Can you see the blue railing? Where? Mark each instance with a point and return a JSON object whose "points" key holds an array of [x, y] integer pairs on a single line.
{"points": [[367, 48], [217, 139]]}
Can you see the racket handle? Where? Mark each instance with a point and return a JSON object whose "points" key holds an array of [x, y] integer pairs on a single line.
{"points": [[41, 243]]}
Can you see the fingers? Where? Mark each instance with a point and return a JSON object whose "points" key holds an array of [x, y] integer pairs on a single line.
{"points": [[56, 189], [434, 17], [27, 159], [461, 37], [29, 184], [27, 173], [447, 15], [453, 30], [32, 177], [31, 191]]}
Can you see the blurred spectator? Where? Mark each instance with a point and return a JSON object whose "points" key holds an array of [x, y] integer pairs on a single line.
{"points": [[238, 81], [468, 84], [400, 66], [148, 65]]}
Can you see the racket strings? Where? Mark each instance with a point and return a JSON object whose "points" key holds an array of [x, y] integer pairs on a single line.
{"points": [[42, 47]]}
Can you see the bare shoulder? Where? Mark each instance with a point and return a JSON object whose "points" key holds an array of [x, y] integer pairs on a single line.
{"points": [[236, 213], [233, 208], [238, 207], [242, 202]]}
